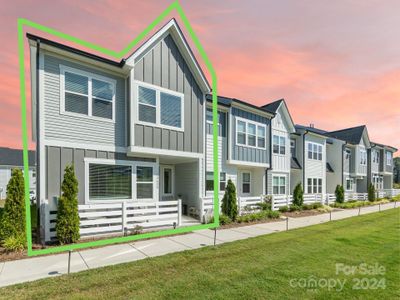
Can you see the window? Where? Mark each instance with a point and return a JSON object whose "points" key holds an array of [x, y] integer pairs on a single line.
{"points": [[293, 147], [210, 181], [363, 157], [221, 122], [167, 181], [347, 153], [160, 107], [109, 182], [349, 184], [87, 94], [314, 185], [144, 182], [250, 134], [375, 156], [279, 144], [246, 182], [388, 158], [279, 185], [314, 151]]}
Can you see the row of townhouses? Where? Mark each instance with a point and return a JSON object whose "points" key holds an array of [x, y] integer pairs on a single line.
{"points": [[140, 131]]}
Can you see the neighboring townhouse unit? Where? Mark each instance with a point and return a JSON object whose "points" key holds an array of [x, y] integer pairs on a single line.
{"points": [[244, 151], [12, 159], [355, 162], [309, 165], [278, 176], [380, 166], [133, 129]]}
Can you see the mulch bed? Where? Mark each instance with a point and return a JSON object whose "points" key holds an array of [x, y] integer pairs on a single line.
{"points": [[234, 225], [303, 213]]}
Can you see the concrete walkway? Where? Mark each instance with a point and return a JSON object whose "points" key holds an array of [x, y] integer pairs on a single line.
{"points": [[12, 272]]}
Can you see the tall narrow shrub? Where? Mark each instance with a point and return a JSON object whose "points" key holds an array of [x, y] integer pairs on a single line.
{"points": [[339, 193], [229, 202], [12, 223], [371, 192], [298, 195], [67, 225]]}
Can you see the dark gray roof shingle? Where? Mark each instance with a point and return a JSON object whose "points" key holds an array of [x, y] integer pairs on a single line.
{"points": [[13, 157], [351, 135], [273, 106]]}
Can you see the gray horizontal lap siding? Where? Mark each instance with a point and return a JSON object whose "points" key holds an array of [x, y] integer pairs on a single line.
{"points": [[164, 66], [57, 158], [247, 154], [80, 129]]}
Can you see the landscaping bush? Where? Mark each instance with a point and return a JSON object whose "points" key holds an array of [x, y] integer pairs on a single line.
{"points": [[273, 214], [258, 216], [14, 243], [264, 205], [12, 223], [339, 193], [284, 209], [67, 224], [294, 207], [371, 193], [298, 195], [229, 202], [224, 220]]}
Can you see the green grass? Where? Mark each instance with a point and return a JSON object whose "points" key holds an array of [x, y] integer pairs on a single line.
{"points": [[257, 268]]}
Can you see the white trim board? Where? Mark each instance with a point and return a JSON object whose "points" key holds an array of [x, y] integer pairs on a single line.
{"points": [[150, 152]]}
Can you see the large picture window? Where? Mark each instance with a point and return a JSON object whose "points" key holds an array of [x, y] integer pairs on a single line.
{"points": [[160, 107], [83, 93], [110, 182], [279, 185], [250, 134]]}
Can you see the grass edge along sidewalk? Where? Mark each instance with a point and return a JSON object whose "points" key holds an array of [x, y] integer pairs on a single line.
{"points": [[260, 267]]}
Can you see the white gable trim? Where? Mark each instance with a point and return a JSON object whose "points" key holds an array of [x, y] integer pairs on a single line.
{"points": [[172, 28], [284, 112]]}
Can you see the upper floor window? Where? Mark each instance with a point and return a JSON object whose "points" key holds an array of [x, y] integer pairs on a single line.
{"points": [[389, 158], [83, 93], [250, 134], [363, 157], [347, 154], [375, 156], [161, 107], [221, 122], [314, 151], [278, 144], [293, 147]]}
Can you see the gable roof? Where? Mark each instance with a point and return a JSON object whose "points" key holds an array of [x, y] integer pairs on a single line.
{"points": [[14, 157], [273, 107], [387, 147], [172, 28], [351, 135]]}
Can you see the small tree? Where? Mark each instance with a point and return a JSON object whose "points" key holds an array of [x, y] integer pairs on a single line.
{"points": [[12, 223], [339, 193], [229, 202], [67, 225], [371, 192], [298, 195]]}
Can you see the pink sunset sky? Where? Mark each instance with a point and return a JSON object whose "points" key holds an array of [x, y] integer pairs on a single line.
{"points": [[337, 65]]}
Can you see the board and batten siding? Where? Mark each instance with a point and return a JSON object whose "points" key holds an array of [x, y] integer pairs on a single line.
{"points": [[75, 128], [164, 66], [248, 154], [315, 168], [281, 162]]}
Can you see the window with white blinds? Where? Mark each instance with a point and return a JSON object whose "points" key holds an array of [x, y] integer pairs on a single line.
{"points": [[160, 107], [87, 94], [110, 182]]}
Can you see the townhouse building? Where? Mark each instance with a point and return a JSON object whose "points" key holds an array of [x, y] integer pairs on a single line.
{"points": [[380, 166]]}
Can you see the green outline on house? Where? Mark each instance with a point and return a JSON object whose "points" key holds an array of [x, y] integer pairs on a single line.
{"points": [[118, 55]]}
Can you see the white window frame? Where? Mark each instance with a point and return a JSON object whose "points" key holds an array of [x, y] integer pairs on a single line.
{"points": [[315, 151], [90, 76], [163, 168], [242, 182], [133, 164], [257, 124], [363, 157], [318, 186], [280, 137], [279, 184], [153, 182], [389, 158], [158, 91], [351, 180]]}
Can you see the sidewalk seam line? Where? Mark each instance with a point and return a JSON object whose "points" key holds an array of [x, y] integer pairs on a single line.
{"points": [[180, 243], [211, 237], [137, 249], [87, 266], [2, 267]]}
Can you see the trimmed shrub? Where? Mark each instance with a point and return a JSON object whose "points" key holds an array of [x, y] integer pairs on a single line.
{"points": [[371, 193], [284, 209], [15, 243], [12, 223], [273, 214], [67, 225], [229, 202], [224, 220], [298, 195], [294, 207], [339, 193], [264, 205]]}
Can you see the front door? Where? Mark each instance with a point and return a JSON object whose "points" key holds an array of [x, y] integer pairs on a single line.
{"points": [[167, 183]]}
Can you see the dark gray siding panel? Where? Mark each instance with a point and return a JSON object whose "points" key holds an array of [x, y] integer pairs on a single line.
{"points": [[53, 172], [164, 66], [243, 153]]}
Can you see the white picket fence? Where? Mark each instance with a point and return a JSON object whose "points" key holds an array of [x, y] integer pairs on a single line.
{"points": [[121, 218], [249, 204]]}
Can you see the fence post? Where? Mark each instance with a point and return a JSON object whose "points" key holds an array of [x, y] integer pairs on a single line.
{"points": [[202, 209], [123, 211], [272, 202], [239, 205], [179, 212]]}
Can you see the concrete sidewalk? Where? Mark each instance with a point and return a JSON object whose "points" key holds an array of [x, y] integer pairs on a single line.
{"points": [[30, 269]]}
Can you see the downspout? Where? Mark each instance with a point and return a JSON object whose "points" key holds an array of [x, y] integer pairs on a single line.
{"points": [[304, 158], [270, 158], [38, 141]]}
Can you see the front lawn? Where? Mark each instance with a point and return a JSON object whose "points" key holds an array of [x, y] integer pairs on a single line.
{"points": [[264, 267]]}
